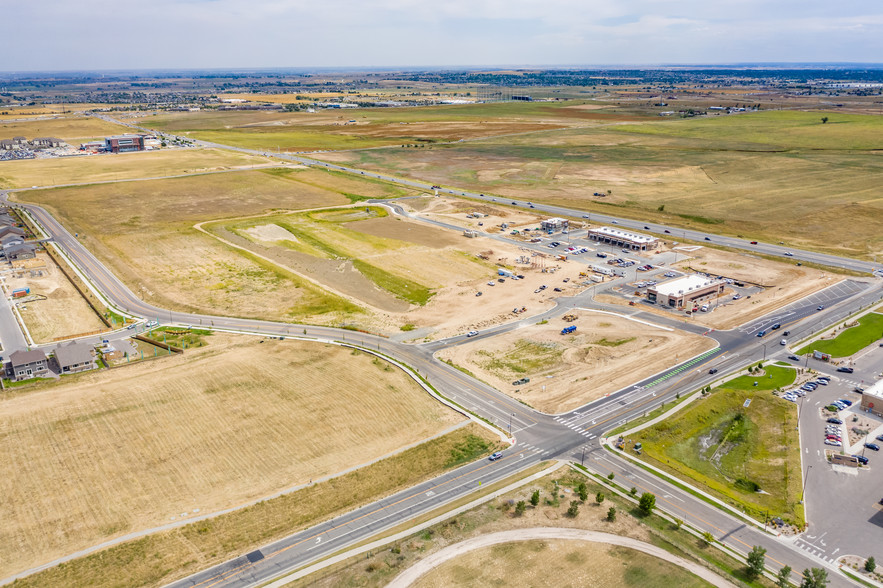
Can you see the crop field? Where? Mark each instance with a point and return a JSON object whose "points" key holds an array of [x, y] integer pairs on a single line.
{"points": [[555, 563], [133, 448], [364, 128], [146, 234], [865, 331], [748, 456], [63, 312], [567, 371], [24, 173], [769, 176], [73, 129]]}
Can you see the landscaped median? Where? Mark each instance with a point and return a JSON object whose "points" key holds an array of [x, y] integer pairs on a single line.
{"points": [[854, 336], [739, 443]]}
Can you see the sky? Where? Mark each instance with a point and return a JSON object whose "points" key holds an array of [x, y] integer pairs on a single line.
{"points": [[55, 35]]}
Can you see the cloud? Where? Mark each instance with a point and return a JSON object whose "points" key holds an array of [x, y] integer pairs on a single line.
{"points": [[129, 34]]}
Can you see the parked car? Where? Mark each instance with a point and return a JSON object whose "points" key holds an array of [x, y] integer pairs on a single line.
{"points": [[861, 459], [834, 443], [835, 420], [879, 437], [844, 401], [872, 446]]}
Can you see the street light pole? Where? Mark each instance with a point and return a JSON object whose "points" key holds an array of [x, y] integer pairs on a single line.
{"points": [[805, 478], [510, 423], [583, 460]]}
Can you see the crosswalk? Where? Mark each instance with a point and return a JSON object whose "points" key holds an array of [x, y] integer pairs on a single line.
{"points": [[575, 427], [814, 550]]}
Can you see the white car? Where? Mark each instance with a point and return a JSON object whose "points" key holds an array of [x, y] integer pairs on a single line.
{"points": [[789, 254], [472, 333], [834, 443]]}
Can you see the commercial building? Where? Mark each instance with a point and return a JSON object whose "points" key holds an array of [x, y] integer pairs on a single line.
{"points": [[124, 143], [685, 291], [872, 399], [620, 238], [554, 224]]}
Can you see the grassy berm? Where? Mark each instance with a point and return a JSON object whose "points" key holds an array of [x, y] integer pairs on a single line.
{"points": [[748, 456]]}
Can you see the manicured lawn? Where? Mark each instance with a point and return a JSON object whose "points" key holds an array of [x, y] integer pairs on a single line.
{"points": [[868, 331], [747, 456]]}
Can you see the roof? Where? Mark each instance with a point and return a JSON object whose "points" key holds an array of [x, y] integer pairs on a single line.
{"points": [[684, 284], [876, 390], [626, 235], [13, 249], [124, 137], [25, 357], [73, 353], [12, 236]]}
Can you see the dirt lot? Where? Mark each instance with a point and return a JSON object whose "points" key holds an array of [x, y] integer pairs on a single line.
{"points": [[146, 444], [63, 313], [784, 283], [555, 563], [567, 371]]}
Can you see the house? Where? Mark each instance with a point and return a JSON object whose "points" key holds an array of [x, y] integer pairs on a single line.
{"points": [[20, 141], [27, 364], [7, 145], [46, 142], [10, 239], [74, 357], [21, 251], [9, 230]]}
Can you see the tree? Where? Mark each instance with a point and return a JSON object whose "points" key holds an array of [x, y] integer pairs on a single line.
{"points": [[574, 509], [678, 523], [520, 508], [824, 119], [756, 562], [611, 475], [870, 565], [633, 491], [582, 491], [647, 503], [814, 578], [611, 514], [599, 497], [708, 538], [782, 577], [535, 498]]}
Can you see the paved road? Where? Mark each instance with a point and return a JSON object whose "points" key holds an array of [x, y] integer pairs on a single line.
{"points": [[538, 436]]}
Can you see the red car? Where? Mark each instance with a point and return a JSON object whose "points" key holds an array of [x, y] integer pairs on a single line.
{"points": [[754, 242]]}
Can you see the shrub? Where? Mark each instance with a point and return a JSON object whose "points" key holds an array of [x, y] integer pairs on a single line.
{"points": [[599, 497], [647, 503], [611, 514]]}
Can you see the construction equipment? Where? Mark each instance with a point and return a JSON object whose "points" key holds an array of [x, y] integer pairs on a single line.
{"points": [[569, 317]]}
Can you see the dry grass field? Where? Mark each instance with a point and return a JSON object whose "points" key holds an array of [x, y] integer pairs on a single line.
{"points": [[567, 371], [64, 312], [145, 234], [115, 452], [555, 563], [123, 166], [73, 129], [771, 176]]}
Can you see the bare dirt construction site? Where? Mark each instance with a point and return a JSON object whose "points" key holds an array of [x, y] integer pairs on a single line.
{"points": [[118, 451], [567, 371], [783, 282], [54, 308]]}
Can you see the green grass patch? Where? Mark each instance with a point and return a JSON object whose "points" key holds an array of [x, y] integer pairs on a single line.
{"points": [[650, 415], [180, 338], [396, 285], [850, 340], [612, 343], [525, 357], [468, 450], [748, 457], [407, 327]]}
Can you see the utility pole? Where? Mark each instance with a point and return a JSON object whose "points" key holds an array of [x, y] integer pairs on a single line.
{"points": [[583, 460], [805, 478], [512, 414]]}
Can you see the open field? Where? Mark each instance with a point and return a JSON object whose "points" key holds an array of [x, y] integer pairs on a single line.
{"points": [[214, 428], [64, 312], [556, 563], [747, 456], [382, 565], [769, 176], [72, 129], [567, 371], [25, 173], [364, 128], [866, 330], [145, 234]]}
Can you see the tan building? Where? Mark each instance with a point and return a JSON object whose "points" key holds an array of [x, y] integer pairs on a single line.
{"points": [[685, 291], [626, 239], [872, 399]]}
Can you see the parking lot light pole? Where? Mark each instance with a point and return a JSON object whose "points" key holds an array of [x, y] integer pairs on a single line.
{"points": [[805, 478]]}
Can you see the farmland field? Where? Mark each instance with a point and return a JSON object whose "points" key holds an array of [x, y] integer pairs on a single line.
{"points": [[771, 176], [108, 167], [558, 563], [146, 234], [133, 448], [72, 129], [748, 456]]}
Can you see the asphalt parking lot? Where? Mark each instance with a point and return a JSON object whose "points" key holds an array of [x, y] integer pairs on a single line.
{"points": [[840, 500]]}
